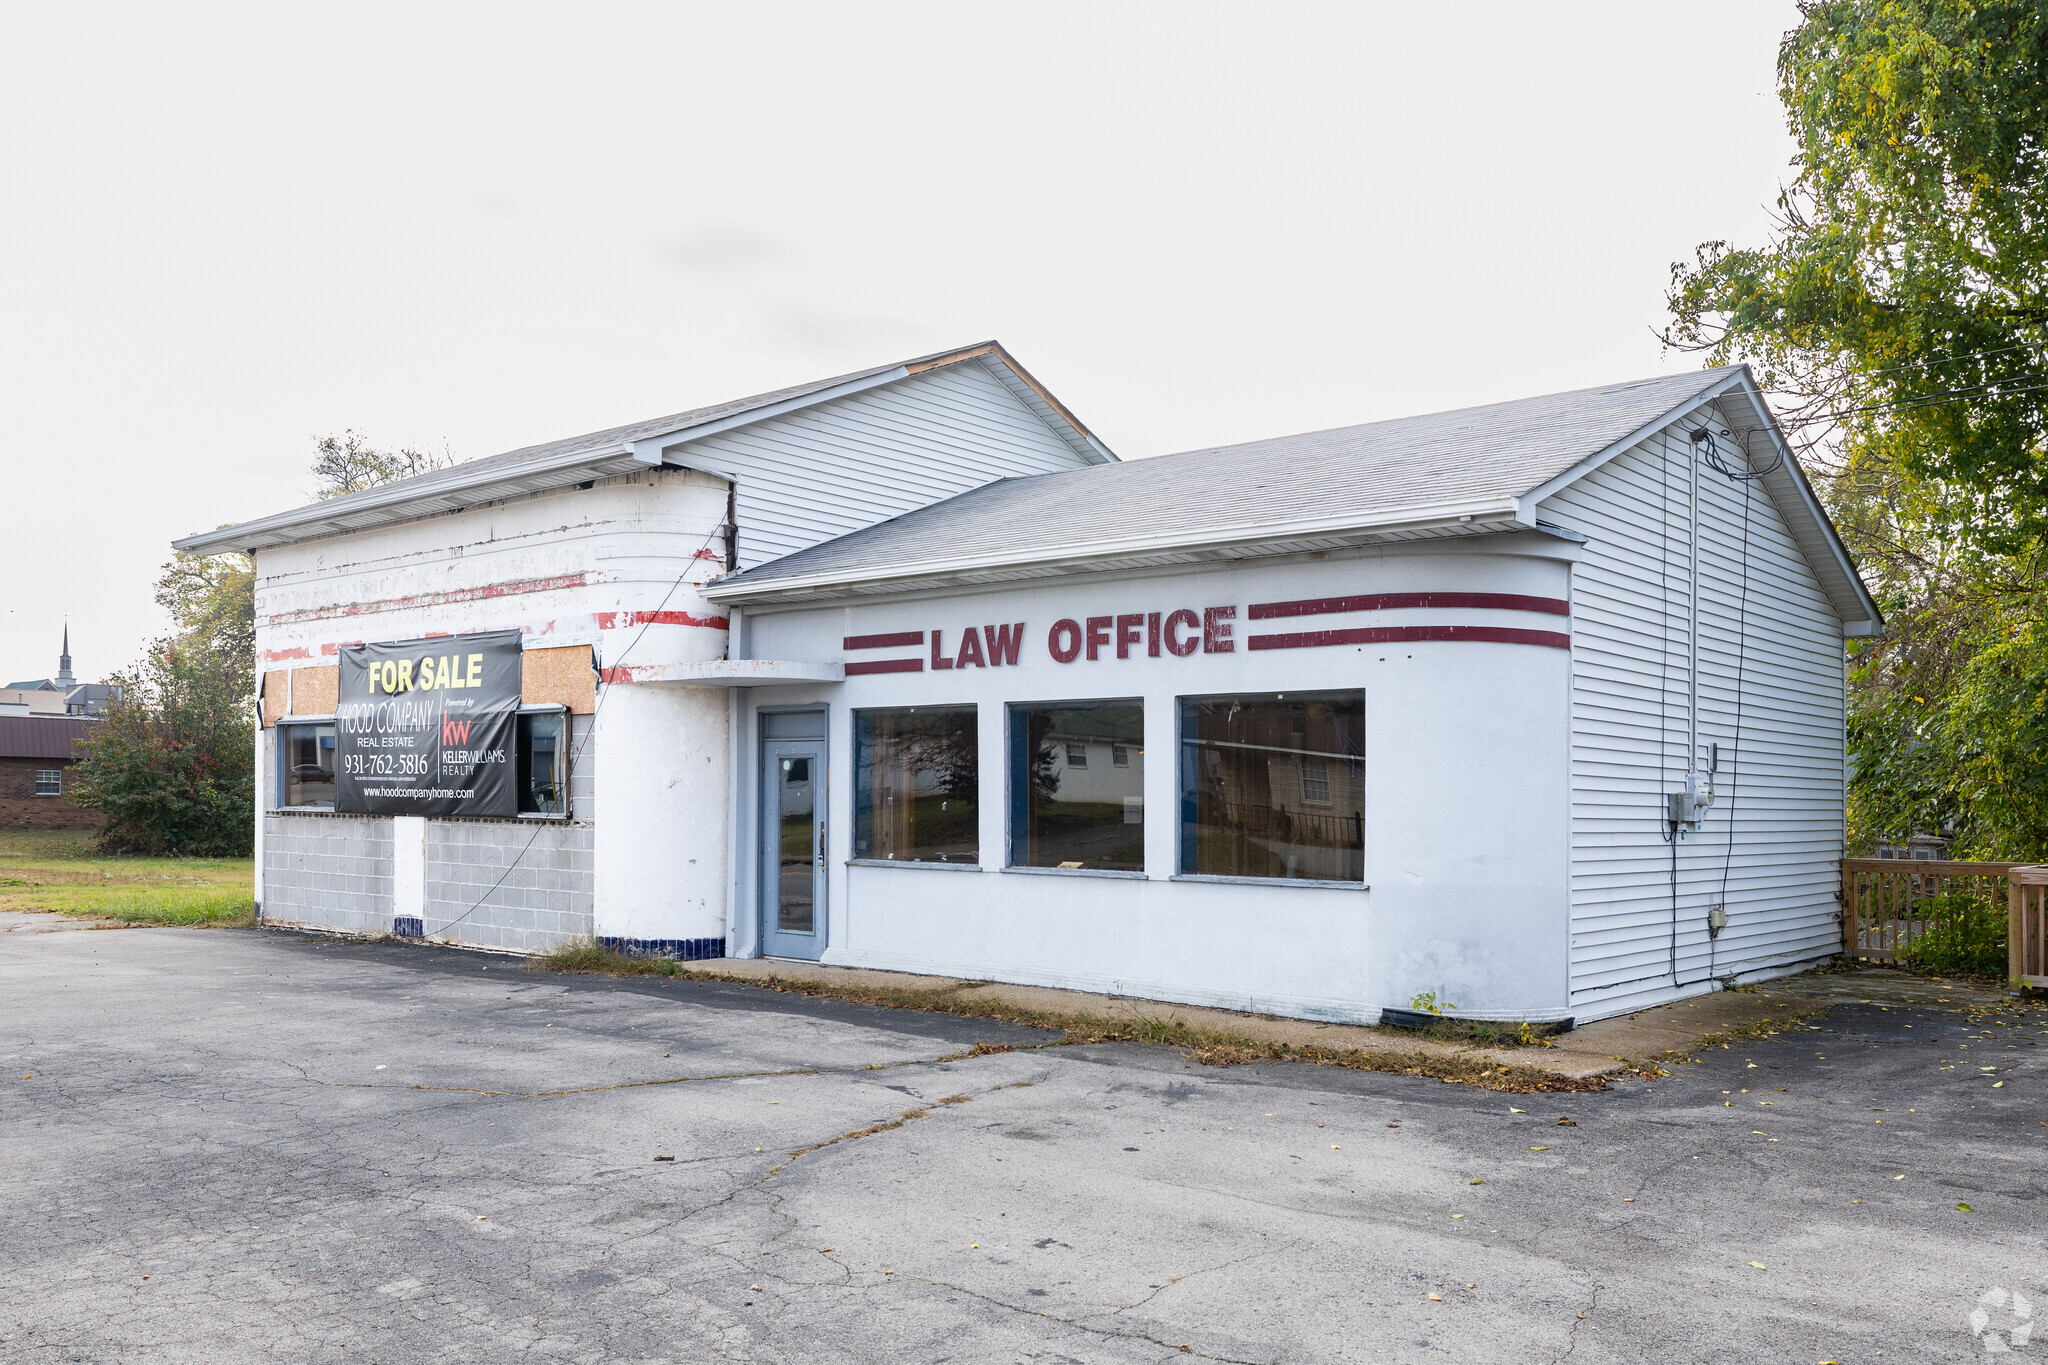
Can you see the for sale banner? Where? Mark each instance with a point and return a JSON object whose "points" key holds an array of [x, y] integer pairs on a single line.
{"points": [[428, 727]]}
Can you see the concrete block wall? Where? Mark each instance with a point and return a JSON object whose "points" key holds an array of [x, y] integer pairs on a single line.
{"points": [[328, 871], [517, 885], [522, 886]]}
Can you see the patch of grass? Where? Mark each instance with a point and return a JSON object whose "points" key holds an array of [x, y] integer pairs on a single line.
{"points": [[1210, 1046], [1486, 1033], [59, 872]]}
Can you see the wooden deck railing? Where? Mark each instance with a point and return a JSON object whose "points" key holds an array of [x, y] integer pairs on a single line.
{"points": [[1887, 903], [2027, 940]]}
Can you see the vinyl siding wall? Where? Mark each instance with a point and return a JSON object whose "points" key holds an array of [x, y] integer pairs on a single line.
{"points": [[822, 472], [1768, 848]]}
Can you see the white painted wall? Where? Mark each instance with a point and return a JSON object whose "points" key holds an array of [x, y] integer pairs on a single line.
{"points": [[1467, 776], [409, 866], [1770, 845], [577, 566], [661, 845]]}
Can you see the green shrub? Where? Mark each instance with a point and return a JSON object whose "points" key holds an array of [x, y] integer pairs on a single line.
{"points": [[171, 766], [1959, 934]]}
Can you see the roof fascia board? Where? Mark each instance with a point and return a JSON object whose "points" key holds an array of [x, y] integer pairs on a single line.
{"points": [[1592, 462], [1422, 518], [1035, 396], [1793, 476], [332, 513], [654, 449]]}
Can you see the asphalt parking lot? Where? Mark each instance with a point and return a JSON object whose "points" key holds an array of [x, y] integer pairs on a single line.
{"points": [[252, 1146]]}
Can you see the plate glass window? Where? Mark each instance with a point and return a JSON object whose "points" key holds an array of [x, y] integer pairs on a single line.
{"points": [[307, 764], [544, 763], [796, 901], [1069, 812], [917, 785], [1273, 786], [49, 782]]}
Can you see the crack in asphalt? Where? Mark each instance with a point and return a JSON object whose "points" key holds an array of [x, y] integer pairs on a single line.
{"points": [[1181, 1347], [964, 1054], [1572, 1333]]}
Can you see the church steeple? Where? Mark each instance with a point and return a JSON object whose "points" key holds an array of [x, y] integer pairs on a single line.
{"points": [[64, 679]]}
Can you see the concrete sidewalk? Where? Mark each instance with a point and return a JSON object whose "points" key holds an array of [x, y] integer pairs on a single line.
{"points": [[1602, 1048]]}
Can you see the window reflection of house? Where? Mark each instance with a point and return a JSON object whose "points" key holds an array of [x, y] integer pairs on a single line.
{"points": [[916, 785], [1277, 786], [1075, 806]]}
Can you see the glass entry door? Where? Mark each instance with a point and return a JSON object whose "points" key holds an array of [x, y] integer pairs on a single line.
{"points": [[793, 848]]}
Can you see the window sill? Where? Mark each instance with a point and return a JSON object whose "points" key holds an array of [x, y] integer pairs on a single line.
{"points": [[1268, 881], [914, 862], [1079, 872], [302, 810], [562, 819]]}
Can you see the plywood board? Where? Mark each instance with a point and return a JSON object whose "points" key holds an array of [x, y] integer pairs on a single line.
{"points": [[559, 677], [277, 690], [316, 691]]}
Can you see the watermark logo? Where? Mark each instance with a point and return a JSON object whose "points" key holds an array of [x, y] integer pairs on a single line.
{"points": [[2003, 1321]]}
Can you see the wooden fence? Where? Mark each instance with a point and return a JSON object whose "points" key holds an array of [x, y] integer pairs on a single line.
{"points": [[2027, 944], [1888, 903]]}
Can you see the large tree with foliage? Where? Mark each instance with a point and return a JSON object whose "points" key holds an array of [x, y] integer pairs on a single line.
{"points": [[1899, 314], [172, 765]]}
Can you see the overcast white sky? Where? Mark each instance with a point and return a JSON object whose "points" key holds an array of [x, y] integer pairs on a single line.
{"points": [[228, 231]]}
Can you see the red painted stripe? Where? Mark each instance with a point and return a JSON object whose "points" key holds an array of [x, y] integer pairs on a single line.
{"points": [[1385, 635], [885, 666], [626, 620], [895, 641], [1387, 601], [433, 599]]}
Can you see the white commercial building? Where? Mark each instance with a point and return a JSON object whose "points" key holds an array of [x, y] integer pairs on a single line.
{"points": [[1536, 708]]}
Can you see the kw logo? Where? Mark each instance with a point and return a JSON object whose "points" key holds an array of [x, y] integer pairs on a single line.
{"points": [[455, 732]]}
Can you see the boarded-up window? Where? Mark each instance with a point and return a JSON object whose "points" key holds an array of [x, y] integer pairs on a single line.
{"points": [[559, 677]]}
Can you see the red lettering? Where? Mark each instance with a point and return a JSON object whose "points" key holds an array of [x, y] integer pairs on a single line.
{"points": [[1127, 633], [939, 659], [970, 650], [1070, 631], [1152, 635], [1175, 624], [1216, 630], [1098, 635], [1004, 643]]}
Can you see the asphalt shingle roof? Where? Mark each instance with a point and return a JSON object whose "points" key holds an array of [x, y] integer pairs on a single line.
{"points": [[1499, 450]]}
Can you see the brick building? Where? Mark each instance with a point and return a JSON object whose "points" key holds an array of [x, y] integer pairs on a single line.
{"points": [[35, 773]]}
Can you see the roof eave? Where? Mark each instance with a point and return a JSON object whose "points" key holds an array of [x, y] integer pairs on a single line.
{"points": [[408, 500], [398, 502], [1479, 517], [1853, 604]]}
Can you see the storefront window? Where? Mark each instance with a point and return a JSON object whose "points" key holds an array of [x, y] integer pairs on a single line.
{"points": [[544, 763], [1273, 786], [917, 785], [1073, 805], [306, 763]]}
